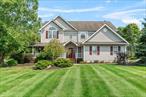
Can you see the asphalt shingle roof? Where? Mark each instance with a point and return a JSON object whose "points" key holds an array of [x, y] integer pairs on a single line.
{"points": [[89, 25]]}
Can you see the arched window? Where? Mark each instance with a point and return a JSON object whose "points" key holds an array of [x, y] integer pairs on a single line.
{"points": [[53, 33], [52, 28], [82, 35]]}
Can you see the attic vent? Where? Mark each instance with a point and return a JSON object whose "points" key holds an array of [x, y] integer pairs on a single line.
{"points": [[105, 30]]}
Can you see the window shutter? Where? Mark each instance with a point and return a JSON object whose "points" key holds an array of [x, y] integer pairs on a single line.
{"points": [[98, 50], [90, 50], [119, 48], [46, 34], [111, 50], [57, 34]]}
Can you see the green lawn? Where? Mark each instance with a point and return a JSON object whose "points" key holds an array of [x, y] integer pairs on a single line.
{"points": [[77, 81]]}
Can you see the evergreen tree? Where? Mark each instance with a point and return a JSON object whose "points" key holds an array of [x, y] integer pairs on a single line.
{"points": [[141, 51]]}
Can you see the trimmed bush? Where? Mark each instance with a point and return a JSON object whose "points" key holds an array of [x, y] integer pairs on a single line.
{"points": [[22, 58], [61, 62], [28, 57], [10, 62], [43, 56], [42, 64], [79, 60]]}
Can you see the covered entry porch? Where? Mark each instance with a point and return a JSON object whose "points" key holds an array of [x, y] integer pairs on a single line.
{"points": [[73, 51]]}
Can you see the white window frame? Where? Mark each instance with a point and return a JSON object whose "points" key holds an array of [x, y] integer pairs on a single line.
{"points": [[83, 32], [52, 32]]}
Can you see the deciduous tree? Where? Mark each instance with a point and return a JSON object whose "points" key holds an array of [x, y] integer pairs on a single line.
{"points": [[54, 49], [131, 33]]}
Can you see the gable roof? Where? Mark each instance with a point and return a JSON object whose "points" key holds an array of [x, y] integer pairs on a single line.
{"points": [[83, 25], [105, 25], [47, 22], [90, 25]]}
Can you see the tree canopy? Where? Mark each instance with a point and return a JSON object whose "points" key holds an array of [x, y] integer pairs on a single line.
{"points": [[19, 24], [54, 48], [131, 33], [141, 51]]}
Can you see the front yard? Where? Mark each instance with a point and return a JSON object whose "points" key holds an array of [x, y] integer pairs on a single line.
{"points": [[77, 81]]}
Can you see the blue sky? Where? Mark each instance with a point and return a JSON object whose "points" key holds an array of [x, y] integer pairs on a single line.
{"points": [[119, 12]]}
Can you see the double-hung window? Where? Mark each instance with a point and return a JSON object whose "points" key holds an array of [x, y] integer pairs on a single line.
{"points": [[53, 33]]}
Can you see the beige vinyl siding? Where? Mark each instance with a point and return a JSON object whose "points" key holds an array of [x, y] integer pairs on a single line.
{"points": [[104, 53], [105, 35], [70, 36], [43, 33], [63, 24]]}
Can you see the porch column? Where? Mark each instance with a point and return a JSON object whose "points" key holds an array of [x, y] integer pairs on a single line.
{"points": [[76, 54], [83, 53]]}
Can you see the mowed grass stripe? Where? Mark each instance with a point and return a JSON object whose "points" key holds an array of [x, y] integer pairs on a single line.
{"points": [[69, 83], [93, 85], [123, 88], [56, 92], [5, 86], [12, 70], [137, 70], [45, 87], [77, 83], [130, 77], [108, 81], [129, 87], [5, 76], [20, 89], [142, 68], [131, 71], [13, 78]]}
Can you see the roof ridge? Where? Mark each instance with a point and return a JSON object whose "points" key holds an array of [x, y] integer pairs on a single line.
{"points": [[87, 21]]}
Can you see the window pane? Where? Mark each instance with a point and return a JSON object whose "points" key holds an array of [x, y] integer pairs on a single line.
{"points": [[94, 49], [54, 34], [50, 34], [82, 36], [52, 28]]}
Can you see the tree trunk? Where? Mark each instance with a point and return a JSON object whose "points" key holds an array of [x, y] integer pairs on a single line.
{"points": [[2, 58]]}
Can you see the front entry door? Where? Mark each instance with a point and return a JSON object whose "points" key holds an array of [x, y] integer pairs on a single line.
{"points": [[71, 53]]}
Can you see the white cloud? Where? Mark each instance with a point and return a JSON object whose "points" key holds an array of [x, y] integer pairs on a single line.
{"points": [[70, 10], [108, 1], [127, 16], [46, 15]]}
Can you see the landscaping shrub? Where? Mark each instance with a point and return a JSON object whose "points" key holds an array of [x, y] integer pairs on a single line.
{"points": [[17, 56], [42, 64], [79, 60], [10, 62], [43, 56], [122, 58], [96, 61], [83, 62], [22, 58], [142, 60], [27, 58], [61, 62]]}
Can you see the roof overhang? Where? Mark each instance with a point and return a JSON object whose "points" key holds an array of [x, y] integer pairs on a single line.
{"points": [[70, 42]]}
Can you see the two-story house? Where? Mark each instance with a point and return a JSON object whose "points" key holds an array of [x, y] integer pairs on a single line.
{"points": [[89, 40]]}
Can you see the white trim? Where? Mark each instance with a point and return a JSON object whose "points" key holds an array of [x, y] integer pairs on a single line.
{"points": [[45, 25], [48, 24], [56, 24], [66, 22], [69, 42], [110, 29], [94, 34], [117, 34]]}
